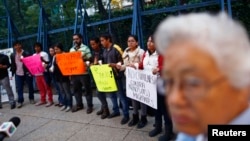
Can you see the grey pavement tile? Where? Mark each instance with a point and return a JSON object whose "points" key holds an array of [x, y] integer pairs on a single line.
{"points": [[139, 136], [40, 123], [113, 122], [54, 131], [99, 133], [27, 125]]}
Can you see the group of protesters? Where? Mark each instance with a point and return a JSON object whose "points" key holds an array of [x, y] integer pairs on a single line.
{"points": [[202, 74], [102, 50]]}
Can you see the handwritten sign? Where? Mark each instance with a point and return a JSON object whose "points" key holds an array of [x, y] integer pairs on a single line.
{"points": [[34, 64], [71, 63], [141, 86], [3, 92], [104, 78]]}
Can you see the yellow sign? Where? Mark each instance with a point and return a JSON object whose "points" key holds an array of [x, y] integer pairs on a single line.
{"points": [[104, 78]]}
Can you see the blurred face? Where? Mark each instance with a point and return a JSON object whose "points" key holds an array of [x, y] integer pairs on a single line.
{"points": [[51, 51], [77, 40], [105, 43], [94, 45], [197, 92], [150, 45], [132, 43], [18, 47], [57, 50], [37, 49]]}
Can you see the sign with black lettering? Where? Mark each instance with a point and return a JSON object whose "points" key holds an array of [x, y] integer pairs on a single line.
{"points": [[141, 86], [226, 132]]}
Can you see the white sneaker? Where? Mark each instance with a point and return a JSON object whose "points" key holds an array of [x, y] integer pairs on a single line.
{"points": [[68, 109], [63, 108]]}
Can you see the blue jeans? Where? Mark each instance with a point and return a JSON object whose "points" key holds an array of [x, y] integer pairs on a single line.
{"points": [[123, 98], [20, 84]]}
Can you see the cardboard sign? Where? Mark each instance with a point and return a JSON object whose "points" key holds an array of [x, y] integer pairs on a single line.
{"points": [[104, 78], [141, 86], [34, 64], [71, 63]]}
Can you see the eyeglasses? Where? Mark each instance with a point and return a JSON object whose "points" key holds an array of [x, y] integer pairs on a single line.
{"points": [[192, 87]]}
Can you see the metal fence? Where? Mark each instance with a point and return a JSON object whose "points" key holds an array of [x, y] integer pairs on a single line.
{"points": [[140, 19]]}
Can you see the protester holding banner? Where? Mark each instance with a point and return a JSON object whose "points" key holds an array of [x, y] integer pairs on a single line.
{"points": [[112, 56], [52, 75], [82, 79], [132, 56], [152, 61], [42, 79], [62, 81], [21, 73], [4, 80], [97, 53]]}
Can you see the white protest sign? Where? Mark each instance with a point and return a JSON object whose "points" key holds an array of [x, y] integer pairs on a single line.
{"points": [[141, 86], [8, 52]]}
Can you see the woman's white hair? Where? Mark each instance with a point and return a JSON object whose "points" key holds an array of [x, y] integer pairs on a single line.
{"points": [[219, 35]]}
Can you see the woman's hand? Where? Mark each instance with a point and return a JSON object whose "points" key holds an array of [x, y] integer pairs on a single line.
{"points": [[113, 65], [156, 70]]}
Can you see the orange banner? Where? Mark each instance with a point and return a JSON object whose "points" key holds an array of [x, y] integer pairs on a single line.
{"points": [[71, 63]]}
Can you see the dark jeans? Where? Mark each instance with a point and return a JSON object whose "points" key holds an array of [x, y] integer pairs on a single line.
{"points": [[79, 81], [58, 90], [123, 98], [102, 97], [66, 93], [162, 111], [20, 84]]}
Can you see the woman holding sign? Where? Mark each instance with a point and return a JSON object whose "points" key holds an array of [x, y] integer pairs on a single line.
{"points": [[152, 61], [97, 53], [62, 81], [42, 79], [133, 55]]}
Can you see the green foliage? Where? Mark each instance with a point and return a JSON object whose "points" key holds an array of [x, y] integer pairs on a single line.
{"points": [[27, 19]]}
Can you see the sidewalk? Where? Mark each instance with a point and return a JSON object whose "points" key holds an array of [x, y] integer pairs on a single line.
{"points": [[39, 123]]}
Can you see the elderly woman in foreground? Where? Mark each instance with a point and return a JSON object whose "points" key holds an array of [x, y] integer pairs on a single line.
{"points": [[206, 72]]}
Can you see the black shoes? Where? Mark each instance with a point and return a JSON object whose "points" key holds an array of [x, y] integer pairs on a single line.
{"points": [[114, 115], [155, 132], [143, 122], [13, 106], [124, 120], [76, 108], [89, 110], [105, 113], [134, 121], [99, 112], [19, 105]]}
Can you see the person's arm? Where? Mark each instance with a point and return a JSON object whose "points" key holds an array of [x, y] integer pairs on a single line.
{"points": [[87, 54], [13, 64], [140, 66], [6, 63]]}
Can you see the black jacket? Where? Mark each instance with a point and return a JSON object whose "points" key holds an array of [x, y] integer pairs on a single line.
{"points": [[13, 63], [4, 60], [58, 74]]}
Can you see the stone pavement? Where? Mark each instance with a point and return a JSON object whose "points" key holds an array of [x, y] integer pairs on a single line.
{"points": [[40, 123]]}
